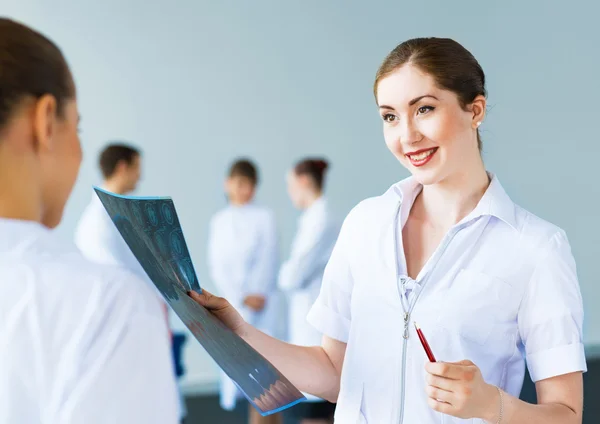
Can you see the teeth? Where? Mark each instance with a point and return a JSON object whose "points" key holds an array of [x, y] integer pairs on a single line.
{"points": [[422, 155]]}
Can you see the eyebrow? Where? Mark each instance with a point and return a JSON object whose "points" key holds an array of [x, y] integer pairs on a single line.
{"points": [[412, 102]]}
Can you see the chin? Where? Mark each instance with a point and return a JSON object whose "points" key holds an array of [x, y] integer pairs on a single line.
{"points": [[427, 176]]}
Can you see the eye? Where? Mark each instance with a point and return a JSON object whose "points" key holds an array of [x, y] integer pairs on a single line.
{"points": [[424, 109], [388, 117]]}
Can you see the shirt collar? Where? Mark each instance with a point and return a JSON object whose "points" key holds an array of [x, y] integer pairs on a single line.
{"points": [[15, 231], [494, 202], [313, 209]]}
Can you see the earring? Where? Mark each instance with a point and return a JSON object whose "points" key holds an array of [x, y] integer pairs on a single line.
{"points": [[478, 123]]}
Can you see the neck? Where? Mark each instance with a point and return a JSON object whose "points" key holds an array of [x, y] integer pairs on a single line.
{"points": [[239, 203], [311, 198], [114, 186], [449, 201], [20, 193]]}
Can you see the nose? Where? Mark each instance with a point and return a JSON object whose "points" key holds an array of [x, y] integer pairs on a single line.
{"points": [[409, 133]]}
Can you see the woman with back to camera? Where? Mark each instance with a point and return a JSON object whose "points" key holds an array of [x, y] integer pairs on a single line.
{"points": [[301, 275], [491, 284], [79, 342]]}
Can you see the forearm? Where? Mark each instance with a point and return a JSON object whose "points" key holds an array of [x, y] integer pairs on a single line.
{"points": [[307, 368], [516, 411]]}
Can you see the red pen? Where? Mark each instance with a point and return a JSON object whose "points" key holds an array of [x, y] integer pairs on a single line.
{"points": [[425, 344]]}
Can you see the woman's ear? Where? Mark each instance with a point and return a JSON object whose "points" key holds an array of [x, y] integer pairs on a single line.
{"points": [[478, 108], [44, 122]]}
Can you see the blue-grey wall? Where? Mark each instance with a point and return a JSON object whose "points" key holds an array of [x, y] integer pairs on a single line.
{"points": [[196, 83]]}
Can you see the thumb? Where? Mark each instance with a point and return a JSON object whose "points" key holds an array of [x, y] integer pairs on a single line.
{"points": [[208, 300]]}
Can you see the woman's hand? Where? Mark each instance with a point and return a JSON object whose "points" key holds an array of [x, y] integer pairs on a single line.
{"points": [[221, 308], [255, 302], [458, 389]]}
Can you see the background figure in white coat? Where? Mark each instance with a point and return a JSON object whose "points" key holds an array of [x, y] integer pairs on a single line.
{"points": [[300, 276], [96, 235], [243, 261]]}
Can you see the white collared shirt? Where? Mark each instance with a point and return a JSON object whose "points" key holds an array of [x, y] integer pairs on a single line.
{"points": [[79, 342], [501, 288]]}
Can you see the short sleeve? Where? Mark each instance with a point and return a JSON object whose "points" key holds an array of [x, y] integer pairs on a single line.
{"points": [[330, 313], [551, 314]]}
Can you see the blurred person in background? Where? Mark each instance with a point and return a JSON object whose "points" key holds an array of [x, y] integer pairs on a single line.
{"points": [[96, 235], [243, 260], [301, 275], [100, 241], [79, 342]]}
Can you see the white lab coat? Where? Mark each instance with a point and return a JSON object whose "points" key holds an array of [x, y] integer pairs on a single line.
{"points": [[243, 260], [500, 289], [79, 342], [100, 241], [300, 276]]}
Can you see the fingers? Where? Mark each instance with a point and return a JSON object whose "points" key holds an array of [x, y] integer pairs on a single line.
{"points": [[439, 395], [440, 382], [453, 371], [209, 301], [443, 407]]}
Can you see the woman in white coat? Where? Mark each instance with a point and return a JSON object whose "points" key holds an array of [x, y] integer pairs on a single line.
{"points": [[493, 286], [243, 262], [301, 275], [79, 342]]}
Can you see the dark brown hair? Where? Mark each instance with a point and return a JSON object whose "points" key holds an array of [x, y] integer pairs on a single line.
{"points": [[244, 168], [115, 153], [30, 66], [452, 67], [314, 168]]}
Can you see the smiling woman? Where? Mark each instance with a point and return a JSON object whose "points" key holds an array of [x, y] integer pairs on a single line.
{"points": [[490, 283]]}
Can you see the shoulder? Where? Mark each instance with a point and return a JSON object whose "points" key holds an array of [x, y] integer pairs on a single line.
{"points": [[536, 234], [262, 213], [219, 216], [94, 219], [59, 273], [373, 209], [57, 298]]}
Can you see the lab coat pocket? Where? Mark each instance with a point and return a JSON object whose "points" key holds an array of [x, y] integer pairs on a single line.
{"points": [[477, 304], [348, 409]]}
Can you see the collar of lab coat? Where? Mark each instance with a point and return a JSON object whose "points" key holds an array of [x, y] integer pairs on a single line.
{"points": [[313, 209], [15, 231], [495, 201]]}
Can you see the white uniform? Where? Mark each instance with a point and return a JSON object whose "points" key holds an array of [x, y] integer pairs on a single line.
{"points": [[301, 275], [243, 260], [501, 287], [79, 342], [100, 241]]}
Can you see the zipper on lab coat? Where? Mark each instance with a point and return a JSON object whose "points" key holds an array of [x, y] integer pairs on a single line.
{"points": [[410, 306]]}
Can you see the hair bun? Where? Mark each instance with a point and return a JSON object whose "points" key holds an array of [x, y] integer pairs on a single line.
{"points": [[321, 164]]}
